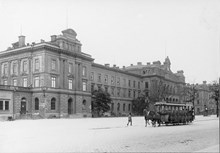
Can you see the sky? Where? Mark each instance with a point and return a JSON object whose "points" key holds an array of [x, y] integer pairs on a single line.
{"points": [[125, 32]]}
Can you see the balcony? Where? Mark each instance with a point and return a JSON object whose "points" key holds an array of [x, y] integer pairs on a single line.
{"points": [[14, 88]]}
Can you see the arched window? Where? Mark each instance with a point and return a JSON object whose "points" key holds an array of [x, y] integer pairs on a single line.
{"points": [[70, 106], [36, 103], [118, 108], [84, 102], [53, 103], [123, 107], [112, 107], [23, 105]]}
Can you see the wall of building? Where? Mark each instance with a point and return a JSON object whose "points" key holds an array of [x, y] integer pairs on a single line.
{"points": [[75, 75]]}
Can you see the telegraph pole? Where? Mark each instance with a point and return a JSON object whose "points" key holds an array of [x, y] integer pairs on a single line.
{"points": [[217, 102]]}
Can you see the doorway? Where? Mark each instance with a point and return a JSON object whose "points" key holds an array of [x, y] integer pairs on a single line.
{"points": [[70, 106], [23, 105]]}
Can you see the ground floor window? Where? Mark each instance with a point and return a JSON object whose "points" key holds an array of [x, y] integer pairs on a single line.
{"points": [[112, 108], [36, 104], [4, 104], [1, 105], [198, 110], [53, 104], [118, 108]]}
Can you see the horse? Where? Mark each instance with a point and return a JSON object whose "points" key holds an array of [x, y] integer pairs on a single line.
{"points": [[154, 117]]}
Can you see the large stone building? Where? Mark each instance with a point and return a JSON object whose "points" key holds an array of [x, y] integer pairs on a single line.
{"points": [[203, 100], [56, 78]]}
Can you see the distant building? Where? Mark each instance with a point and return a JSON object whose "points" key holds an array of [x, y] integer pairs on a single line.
{"points": [[55, 78], [204, 100]]}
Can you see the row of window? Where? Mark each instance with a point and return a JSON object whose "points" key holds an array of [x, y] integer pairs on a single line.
{"points": [[123, 107], [24, 64], [52, 104], [117, 81], [119, 92], [69, 46], [172, 99], [53, 83], [15, 82]]}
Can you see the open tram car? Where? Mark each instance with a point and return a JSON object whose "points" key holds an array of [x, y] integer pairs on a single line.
{"points": [[174, 114]]}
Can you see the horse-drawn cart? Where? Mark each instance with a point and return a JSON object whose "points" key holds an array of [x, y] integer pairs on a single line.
{"points": [[173, 113]]}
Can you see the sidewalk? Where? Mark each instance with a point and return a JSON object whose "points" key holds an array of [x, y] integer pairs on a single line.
{"points": [[210, 149], [205, 118]]}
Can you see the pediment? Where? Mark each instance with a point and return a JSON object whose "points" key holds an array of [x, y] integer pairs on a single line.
{"points": [[69, 32]]}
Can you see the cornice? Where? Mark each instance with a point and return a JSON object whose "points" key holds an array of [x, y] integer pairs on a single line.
{"points": [[46, 46], [115, 70]]}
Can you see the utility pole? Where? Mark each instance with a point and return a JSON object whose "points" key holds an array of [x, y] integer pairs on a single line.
{"points": [[193, 96], [217, 102]]}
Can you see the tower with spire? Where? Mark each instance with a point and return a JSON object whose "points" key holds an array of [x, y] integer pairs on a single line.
{"points": [[167, 64]]}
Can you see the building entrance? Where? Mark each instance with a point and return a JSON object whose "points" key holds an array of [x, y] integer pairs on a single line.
{"points": [[23, 106], [70, 106]]}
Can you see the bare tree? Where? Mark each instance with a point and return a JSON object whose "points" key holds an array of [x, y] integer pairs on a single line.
{"points": [[159, 92]]}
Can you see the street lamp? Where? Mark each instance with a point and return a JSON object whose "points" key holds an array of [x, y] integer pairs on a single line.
{"points": [[193, 95], [44, 89]]}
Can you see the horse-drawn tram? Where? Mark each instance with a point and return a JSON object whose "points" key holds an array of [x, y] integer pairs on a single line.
{"points": [[173, 113]]}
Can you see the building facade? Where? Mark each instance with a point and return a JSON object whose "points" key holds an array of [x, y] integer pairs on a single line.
{"points": [[204, 103], [55, 79]]}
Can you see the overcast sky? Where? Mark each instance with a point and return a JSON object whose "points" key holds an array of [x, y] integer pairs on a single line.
{"points": [[125, 32]]}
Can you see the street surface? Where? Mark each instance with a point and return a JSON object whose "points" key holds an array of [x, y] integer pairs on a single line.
{"points": [[108, 135]]}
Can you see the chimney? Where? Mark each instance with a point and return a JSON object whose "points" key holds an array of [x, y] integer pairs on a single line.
{"points": [[53, 37], [148, 63], [42, 41], [21, 41], [139, 63], [114, 66], [204, 82], [131, 64], [123, 67]]}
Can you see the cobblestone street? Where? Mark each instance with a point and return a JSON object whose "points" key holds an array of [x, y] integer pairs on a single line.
{"points": [[107, 135]]}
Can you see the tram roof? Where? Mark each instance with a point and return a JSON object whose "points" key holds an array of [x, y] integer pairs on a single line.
{"points": [[168, 104]]}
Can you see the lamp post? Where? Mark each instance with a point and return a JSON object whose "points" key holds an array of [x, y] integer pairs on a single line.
{"points": [[217, 99], [193, 95], [43, 104]]}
